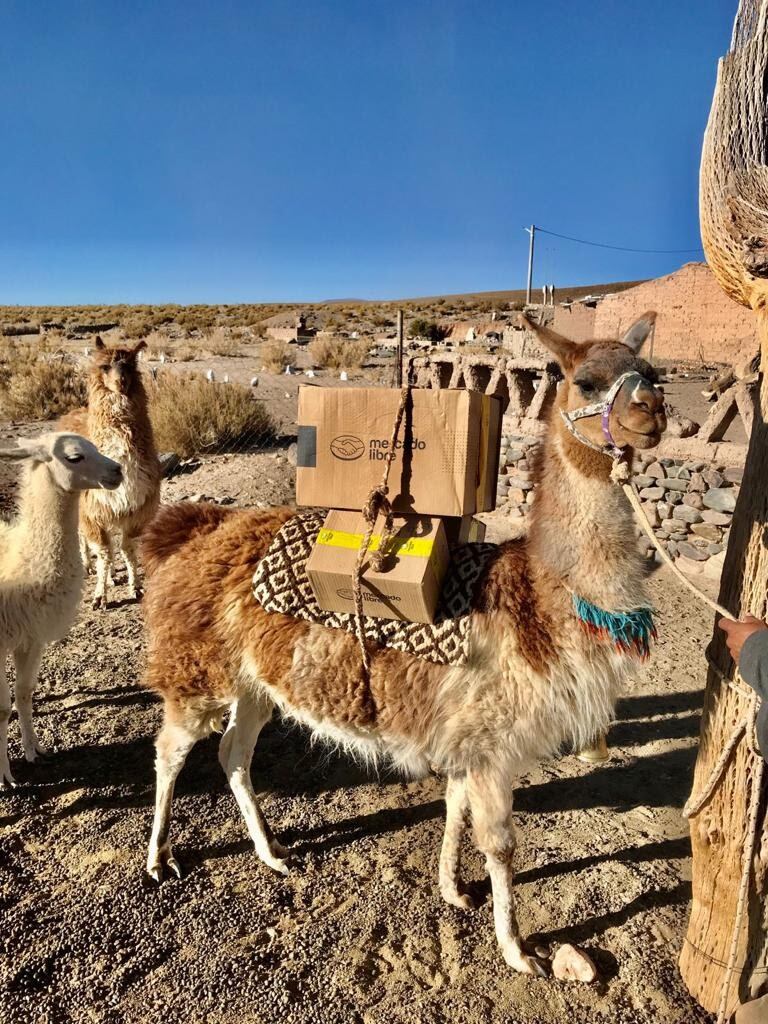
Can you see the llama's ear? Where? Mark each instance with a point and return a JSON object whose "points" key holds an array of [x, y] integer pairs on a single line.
{"points": [[564, 349], [637, 334], [139, 346], [26, 450], [99, 343]]}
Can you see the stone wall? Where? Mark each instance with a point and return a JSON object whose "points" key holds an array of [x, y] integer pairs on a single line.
{"points": [[689, 503]]}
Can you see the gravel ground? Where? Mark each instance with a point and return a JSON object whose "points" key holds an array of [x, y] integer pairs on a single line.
{"points": [[357, 932]]}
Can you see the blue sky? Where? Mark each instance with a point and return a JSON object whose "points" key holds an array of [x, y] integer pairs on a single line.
{"points": [[237, 151]]}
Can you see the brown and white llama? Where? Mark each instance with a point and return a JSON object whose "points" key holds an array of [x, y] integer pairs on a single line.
{"points": [[117, 421], [538, 674]]}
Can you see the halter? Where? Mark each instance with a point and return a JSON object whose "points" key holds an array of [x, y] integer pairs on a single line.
{"points": [[603, 410]]}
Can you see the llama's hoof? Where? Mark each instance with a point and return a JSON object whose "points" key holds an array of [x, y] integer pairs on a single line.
{"points": [[162, 865], [278, 850], [8, 780], [100, 602], [36, 752], [524, 962], [454, 898], [276, 857], [136, 594]]}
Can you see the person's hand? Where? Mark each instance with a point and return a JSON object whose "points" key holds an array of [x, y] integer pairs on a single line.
{"points": [[736, 633]]}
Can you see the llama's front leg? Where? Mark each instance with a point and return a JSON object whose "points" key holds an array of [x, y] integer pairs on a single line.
{"points": [[129, 551], [5, 713], [27, 661], [249, 716], [174, 741], [490, 801], [456, 805], [102, 549]]}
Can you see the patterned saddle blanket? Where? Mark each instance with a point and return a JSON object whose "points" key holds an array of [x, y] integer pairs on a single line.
{"points": [[280, 584]]}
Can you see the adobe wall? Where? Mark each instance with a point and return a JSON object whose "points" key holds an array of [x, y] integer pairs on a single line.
{"points": [[576, 322], [696, 319]]}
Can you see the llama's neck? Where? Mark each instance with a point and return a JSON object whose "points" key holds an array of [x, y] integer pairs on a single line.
{"points": [[123, 412], [45, 535], [582, 528]]}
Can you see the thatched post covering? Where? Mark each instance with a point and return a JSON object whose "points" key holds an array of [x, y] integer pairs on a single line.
{"points": [[734, 224]]}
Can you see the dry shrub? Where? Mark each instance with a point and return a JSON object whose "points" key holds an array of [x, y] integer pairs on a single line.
{"points": [[35, 388], [275, 355], [338, 353], [219, 342], [191, 416]]}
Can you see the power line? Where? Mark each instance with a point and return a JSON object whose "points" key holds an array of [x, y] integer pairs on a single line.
{"points": [[616, 248]]}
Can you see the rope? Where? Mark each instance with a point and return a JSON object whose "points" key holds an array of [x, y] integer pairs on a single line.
{"points": [[376, 504], [620, 474]]}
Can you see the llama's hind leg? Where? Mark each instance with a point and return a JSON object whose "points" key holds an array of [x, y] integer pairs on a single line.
{"points": [[100, 545], [456, 806], [5, 713], [249, 715], [490, 801], [27, 661], [180, 731]]}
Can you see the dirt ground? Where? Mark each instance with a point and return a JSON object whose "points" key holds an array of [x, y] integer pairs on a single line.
{"points": [[357, 932]]}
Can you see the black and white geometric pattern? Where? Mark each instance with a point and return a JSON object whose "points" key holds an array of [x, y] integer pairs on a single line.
{"points": [[280, 584]]}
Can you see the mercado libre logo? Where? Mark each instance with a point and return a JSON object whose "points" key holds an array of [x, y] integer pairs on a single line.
{"points": [[347, 447]]}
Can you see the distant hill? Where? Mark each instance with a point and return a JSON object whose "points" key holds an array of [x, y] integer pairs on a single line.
{"points": [[561, 293]]}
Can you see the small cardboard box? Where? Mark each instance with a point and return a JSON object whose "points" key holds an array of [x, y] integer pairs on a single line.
{"points": [[466, 530], [410, 588], [446, 460]]}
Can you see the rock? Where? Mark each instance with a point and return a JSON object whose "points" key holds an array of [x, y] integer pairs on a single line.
{"points": [[640, 480], [686, 514], [530, 496], [672, 548], [514, 455], [673, 497], [693, 500], [690, 551], [652, 493], [714, 549], [712, 478], [673, 471], [523, 465], [720, 500], [682, 535], [670, 525], [698, 483], [656, 470], [516, 495], [717, 518], [674, 484], [572, 964], [651, 514], [709, 532], [713, 567], [664, 509], [689, 566], [518, 480], [681, 426], [734, 474], [169, 463]]}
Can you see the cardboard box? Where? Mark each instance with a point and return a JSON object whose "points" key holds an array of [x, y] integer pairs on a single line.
{"points": [[409, 590], [466, 530], [446, 461]]}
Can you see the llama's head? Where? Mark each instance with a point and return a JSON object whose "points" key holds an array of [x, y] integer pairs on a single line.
{"points": [[609, 394], [74, 463], [116, 368]]}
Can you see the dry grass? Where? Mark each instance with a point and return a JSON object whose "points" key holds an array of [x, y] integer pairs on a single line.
{"points": [[191, 416], [338, 353], [219, 342], [33, 387], [275, 355]]}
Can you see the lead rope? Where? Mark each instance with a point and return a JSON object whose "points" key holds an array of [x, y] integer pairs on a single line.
{"points": [[377, 503], [621, 474]]}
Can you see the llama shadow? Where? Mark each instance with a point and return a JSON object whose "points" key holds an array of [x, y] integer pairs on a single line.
{"points": [[118, 696]]}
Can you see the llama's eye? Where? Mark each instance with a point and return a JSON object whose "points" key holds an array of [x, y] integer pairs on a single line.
{"points": [[74, 458], [586, 387]]}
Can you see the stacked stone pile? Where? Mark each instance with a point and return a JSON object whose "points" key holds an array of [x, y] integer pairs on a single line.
{"points": [[689, 504]]}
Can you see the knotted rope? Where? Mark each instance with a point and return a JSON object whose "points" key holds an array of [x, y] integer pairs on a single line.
{"points": [[377, 504], [621, 474]]}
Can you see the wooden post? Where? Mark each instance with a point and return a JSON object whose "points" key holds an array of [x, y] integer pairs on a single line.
{"points": [[400, 348], [733, 208]]}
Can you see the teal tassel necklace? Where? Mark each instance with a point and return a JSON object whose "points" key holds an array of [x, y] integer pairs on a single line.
{"points": [[629, 632]]}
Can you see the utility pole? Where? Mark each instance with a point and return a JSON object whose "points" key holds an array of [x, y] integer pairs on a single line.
{"points": [[399, 348], [531, 231]]}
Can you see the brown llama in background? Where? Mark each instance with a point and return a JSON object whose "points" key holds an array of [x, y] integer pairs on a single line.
{"points": [[540, 671], [117, 421]]}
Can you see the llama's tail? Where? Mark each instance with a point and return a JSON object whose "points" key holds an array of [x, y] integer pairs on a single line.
{"points": [[173, 527]]}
